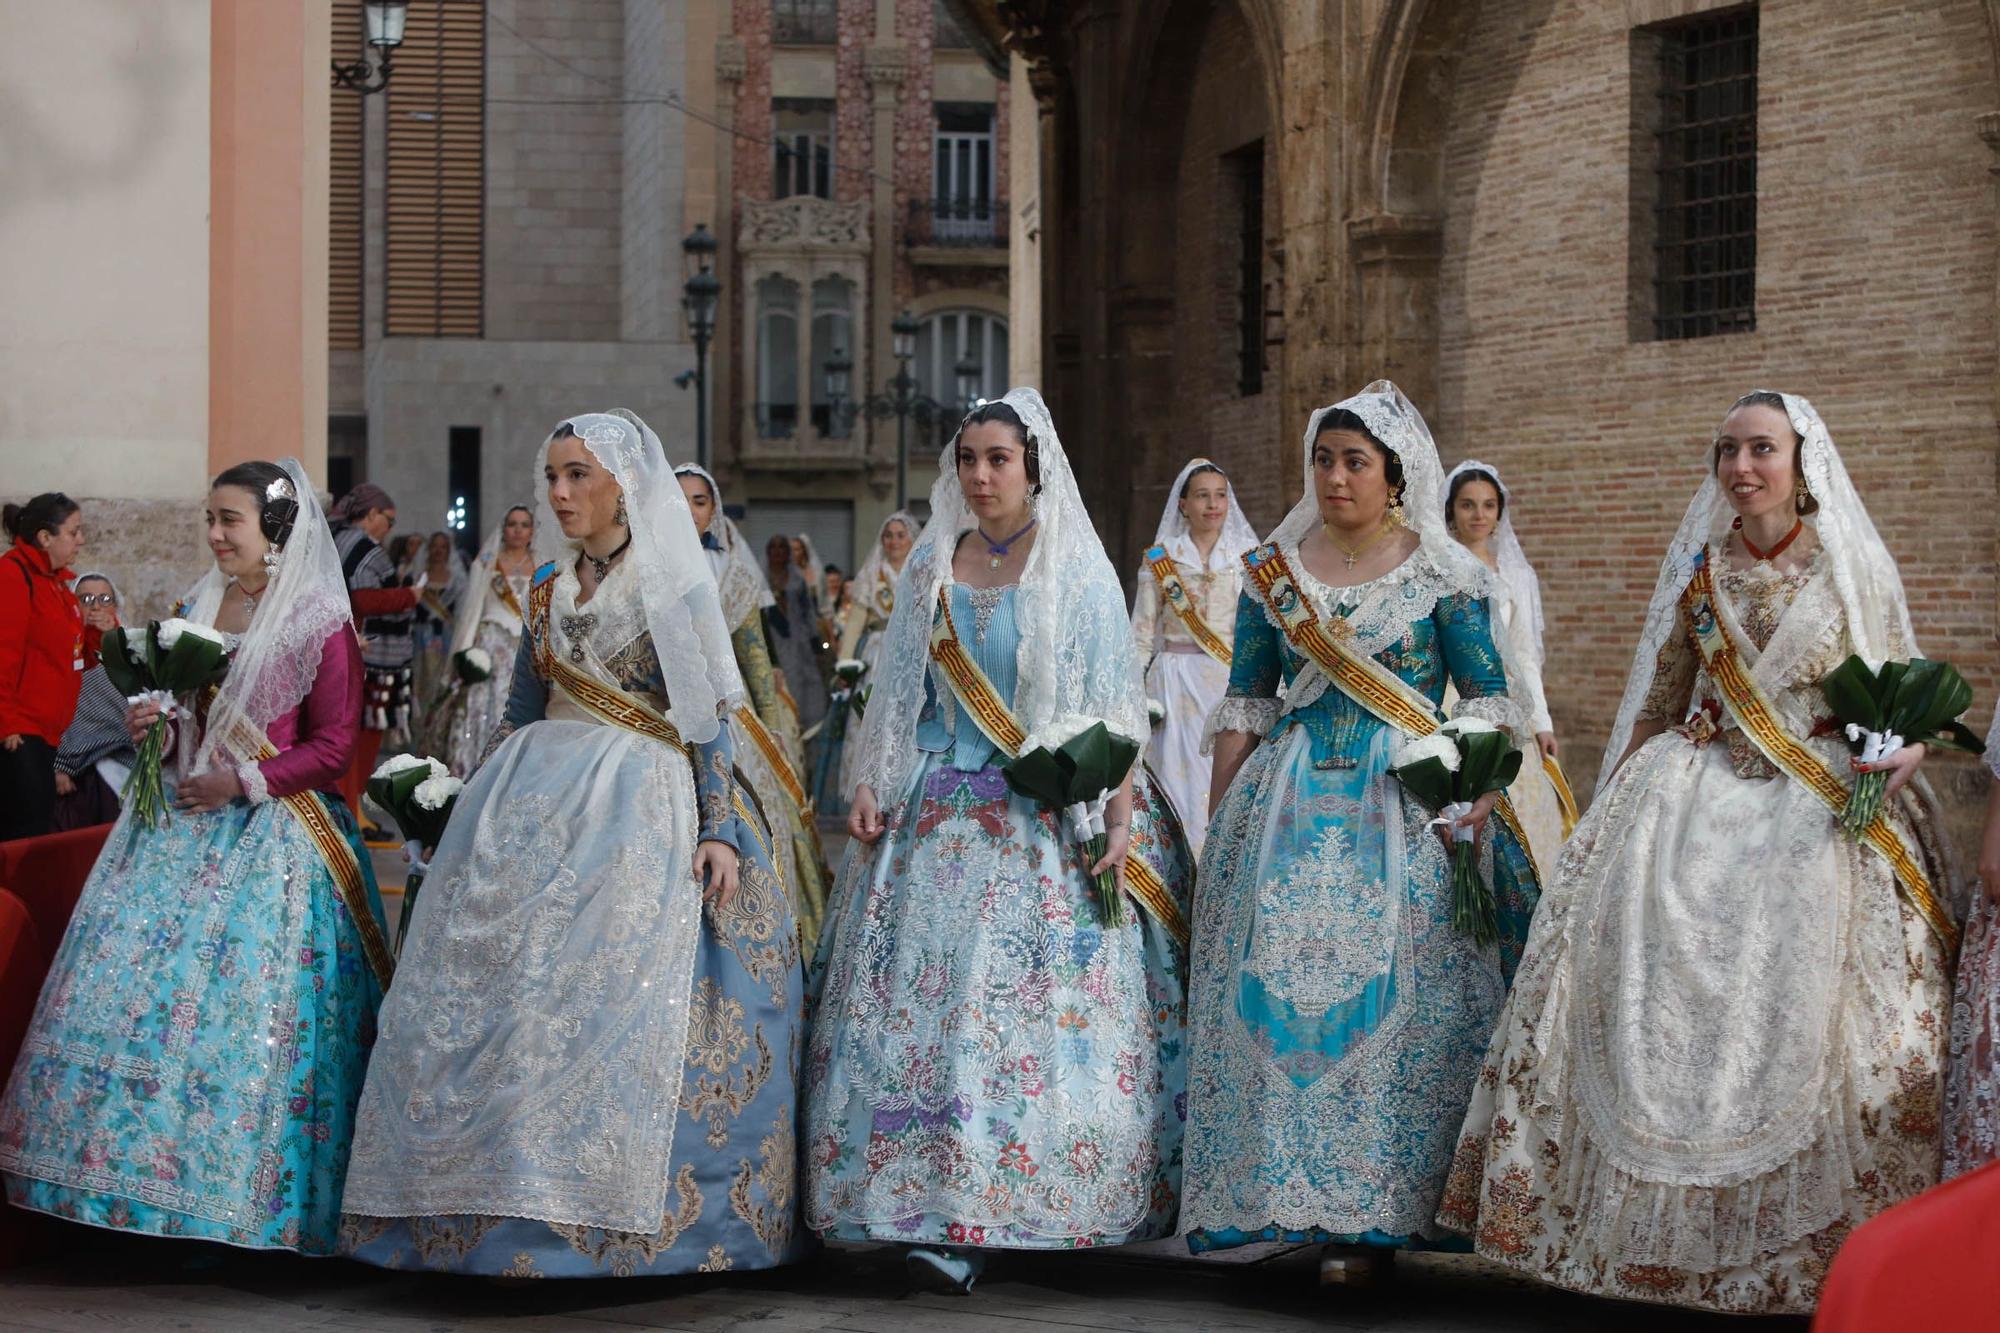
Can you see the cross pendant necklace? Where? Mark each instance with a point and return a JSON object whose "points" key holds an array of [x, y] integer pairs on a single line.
{"points": [[997, 551]]}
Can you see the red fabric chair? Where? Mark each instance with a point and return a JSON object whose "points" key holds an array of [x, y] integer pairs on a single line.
{"points": [[1928, 1263], [47, 875], [24, 959]]}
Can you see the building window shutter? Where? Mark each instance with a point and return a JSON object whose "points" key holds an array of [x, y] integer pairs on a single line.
{"points": [[434, 250]]}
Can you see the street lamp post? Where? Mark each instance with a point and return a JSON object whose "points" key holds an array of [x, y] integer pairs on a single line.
{"points": [[699, 298], [383, 21], [900, 398]]}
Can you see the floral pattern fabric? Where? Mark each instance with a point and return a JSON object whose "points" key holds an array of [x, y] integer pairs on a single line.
{"points": [[193, 1064], [1336, 1017], [1972, 1093], [1711, 1071], [990, 1064]]}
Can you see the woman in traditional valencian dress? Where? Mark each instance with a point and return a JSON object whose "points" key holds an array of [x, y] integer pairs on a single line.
{"points": [[432, 634], [1336, 1015], [992, 1065], [193, 1065], [766, 728], [489, 619], [867, 618], [587, 1064], [1183, 615], [1725, 1047], [1479, 512], [1972, 1090]]}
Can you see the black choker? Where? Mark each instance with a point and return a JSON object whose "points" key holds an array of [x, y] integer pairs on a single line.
{"points": [[603, 567]]}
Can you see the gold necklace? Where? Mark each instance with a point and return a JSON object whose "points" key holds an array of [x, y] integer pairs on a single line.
{"points": [[1352, 554]]}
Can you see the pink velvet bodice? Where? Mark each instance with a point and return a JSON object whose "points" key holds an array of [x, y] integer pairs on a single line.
{"points": [[315, 741]]}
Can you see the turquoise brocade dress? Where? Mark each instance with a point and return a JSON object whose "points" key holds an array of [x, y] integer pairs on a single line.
{"points": [[194, 1061], [1336, 1017], [989, 1065]]}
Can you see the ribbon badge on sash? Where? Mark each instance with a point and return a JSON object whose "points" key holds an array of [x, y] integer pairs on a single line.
{"points": [[1362, 679], [981, 702], [1174, 592], [1720, 651]]}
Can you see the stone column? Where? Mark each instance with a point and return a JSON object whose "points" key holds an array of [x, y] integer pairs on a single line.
{"points": [[885, 67]]}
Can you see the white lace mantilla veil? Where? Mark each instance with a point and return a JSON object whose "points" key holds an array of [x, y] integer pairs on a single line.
{"points": [[683, 610], [739, 577], [1076, 657], [478, 587], [1864, 573], [1514, 567], [273, 668], [1237, 534], [876, 564]]}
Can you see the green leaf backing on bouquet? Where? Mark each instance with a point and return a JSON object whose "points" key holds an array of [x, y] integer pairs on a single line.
{"points": [[1039, 776], [116, 654]]}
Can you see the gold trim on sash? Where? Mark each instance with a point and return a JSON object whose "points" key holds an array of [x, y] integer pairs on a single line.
{"points": [[981, 701], [1360, 678], [504, 590], [1565, 798], [249, 741], [1722, 656], [607, 702], [762, 737], [434, 604], [1175, 594]]}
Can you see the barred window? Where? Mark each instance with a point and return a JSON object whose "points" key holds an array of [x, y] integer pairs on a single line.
{"points": [[805, 22], [802, 159], [1243, 217], [1705, 210]]}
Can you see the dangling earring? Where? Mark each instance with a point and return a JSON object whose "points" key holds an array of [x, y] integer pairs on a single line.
{"points": [[1800, 496], [1396, 508], [619, 518], [273, 559]]}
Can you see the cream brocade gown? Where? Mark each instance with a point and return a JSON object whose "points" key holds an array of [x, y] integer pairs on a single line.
{"points": [[1185, 679], [1725, 1042]]}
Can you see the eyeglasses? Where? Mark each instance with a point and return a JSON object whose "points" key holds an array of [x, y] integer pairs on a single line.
{"points": [[97, 599]]}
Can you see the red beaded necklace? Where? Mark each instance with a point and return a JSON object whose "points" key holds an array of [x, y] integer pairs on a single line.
{"points": [[1798, 526]]}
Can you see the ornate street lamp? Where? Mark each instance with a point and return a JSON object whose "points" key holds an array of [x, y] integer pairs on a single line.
{"points": [[700, 296], [383, 21], [899, 398]]}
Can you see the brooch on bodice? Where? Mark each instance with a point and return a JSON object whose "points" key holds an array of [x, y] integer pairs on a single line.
{"points": [[577, 629]]}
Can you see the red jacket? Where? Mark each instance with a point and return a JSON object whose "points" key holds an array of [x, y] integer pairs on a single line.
{"points": [[44, 646]]}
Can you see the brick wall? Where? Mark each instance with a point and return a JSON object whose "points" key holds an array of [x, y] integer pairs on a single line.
{"points": [[854, 104], [1875, 298], [1209, 415], [554, 170]]}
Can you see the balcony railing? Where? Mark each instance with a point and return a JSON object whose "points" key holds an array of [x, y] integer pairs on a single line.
{"points": [[958, 223], [804, 23]]}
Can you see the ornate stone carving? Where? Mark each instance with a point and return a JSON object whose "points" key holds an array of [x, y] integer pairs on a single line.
{"points": [[732, 62], [885, 64], [804, 222]]}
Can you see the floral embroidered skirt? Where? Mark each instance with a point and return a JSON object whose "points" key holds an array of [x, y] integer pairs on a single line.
{"points": [[1336, 1016], [1972, 1091], [1723, 1052], [990, 1064], [194, 1061]]}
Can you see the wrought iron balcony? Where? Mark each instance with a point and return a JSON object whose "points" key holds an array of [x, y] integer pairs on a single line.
{"points": [[960, 223]]}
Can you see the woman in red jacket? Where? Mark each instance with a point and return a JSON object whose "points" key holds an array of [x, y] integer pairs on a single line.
{"points": [[44, 650]]}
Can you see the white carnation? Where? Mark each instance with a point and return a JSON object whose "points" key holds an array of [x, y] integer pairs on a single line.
{"points": [[850, 666], [1156, 710], [480, 660], [171, 630], [395, 764], [1054, 734], [1467, 726], [1437, 746], [435, 793]]}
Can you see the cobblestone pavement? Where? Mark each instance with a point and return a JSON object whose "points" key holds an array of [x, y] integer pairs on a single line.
{"points": [[110, 1283]]}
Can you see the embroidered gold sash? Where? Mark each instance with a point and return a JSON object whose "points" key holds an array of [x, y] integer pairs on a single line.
{"points": [[1565, 798], [1362, 679], [976, 695], [504, 590], [1175, 594], [247, 741], [604, 701], [1753, 712], [774, 754]]}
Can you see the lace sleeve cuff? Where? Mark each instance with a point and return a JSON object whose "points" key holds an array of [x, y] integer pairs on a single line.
{"points": [[251, 776], [1497, 709], [1252, 717]]}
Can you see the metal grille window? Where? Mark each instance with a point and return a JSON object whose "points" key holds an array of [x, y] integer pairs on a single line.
{"points": [[434, 253], [802, 160], [1244, 172], [805, 22], [962, 210], [1705, 246]]}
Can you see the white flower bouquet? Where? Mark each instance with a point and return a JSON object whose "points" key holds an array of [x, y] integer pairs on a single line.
{"points": [[419, 793], [1072, 767], [1448, 771], [158, 665]]}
